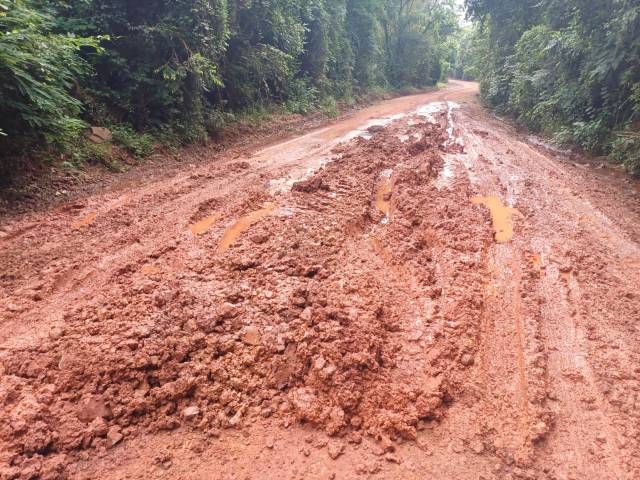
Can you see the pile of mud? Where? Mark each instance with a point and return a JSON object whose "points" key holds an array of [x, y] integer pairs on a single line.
{"points": [[351, 302]]}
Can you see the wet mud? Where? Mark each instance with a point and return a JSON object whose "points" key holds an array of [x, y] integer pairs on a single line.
{"points": [[349, 308]]}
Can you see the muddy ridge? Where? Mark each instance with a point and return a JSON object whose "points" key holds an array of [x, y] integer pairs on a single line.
{"points": [[298, 311]]}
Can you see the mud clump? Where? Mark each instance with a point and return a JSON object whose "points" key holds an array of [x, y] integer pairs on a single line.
{"points": [[309, 186], [315, 322]]}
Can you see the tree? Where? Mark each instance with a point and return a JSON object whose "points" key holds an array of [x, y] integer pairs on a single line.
{"points": [[568, 68]]}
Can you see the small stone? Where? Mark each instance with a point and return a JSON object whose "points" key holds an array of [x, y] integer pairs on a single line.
{"points": [[299, 301], [566, 267], [375, 129], [457, 446], [12, 307], [467, 360], [387, 444], [377, 450], [269, 444], [371, 468], [424, 445], [306, 315], [335, 449], [190, 413], [114, 436], [237, 418], [539, 430], [392, 458], [259, 238], [99, 427], [356, 421], [100, 135], [56, 333], [251, 336], [415, 336], [305, 451], [93, 408], [477, 446]]}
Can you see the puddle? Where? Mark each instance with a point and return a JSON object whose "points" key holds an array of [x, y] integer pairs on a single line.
{"points": [[447, 173], [501, 216], [429, 110], [451, 106], [383, 192], [204, 224], [242, 225], [376, 122], [313, 165], [85, 221]]}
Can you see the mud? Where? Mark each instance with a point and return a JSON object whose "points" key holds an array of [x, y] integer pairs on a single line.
{"points": [[501, 215], [409, 303]]}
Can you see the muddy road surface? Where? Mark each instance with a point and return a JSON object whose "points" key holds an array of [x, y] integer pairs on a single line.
{"points": [[418, 291]]}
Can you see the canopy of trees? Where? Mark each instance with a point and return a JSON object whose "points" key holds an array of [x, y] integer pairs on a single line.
{"points": [[570, 68], [177, 67]]}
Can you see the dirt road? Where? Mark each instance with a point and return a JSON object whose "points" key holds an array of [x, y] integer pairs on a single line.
{"points": [[418, 291]]}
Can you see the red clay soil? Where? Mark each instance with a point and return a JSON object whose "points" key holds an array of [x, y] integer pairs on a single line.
{"points": [[437, 297]]}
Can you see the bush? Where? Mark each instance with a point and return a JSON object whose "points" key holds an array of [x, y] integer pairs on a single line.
{"points": [[590, 136], [329, 107], [140, 145], [216, 120], [38, 70], [302, 97], [626, 150]]}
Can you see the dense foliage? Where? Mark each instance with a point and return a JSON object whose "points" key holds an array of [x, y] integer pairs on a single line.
{"points": [[38, 69], [468, 43], [570, 68], [180, 68]]}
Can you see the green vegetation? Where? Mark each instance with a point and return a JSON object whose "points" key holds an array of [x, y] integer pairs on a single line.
{"points": [[178, 70], [567, 68], [38, 71]]}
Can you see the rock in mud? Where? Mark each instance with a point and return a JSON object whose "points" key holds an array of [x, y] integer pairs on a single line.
{"points": [[251, 336], [392, 458], [467, 360], [375, 129], [93, 408], [335, 449], [477, 446], [190, 413], [309, 186], [114, 436]]}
